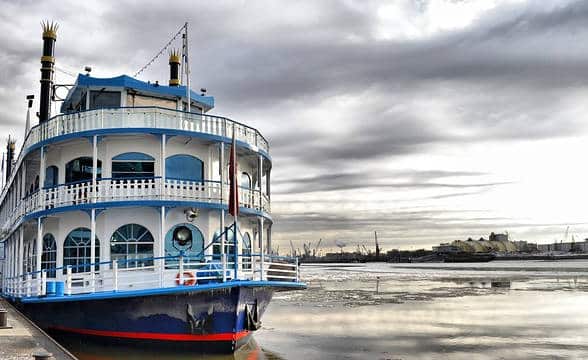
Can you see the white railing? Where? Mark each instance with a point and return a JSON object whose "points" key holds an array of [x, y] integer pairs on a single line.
{"points": [[156, 273], [112, 190], [137, 117]]}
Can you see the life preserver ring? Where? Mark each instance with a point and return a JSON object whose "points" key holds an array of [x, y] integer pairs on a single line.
{"points": [[189, 278]]}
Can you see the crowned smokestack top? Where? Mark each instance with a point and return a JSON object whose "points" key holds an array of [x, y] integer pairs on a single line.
{"points": [[9, 157], [47, 63], [174, 68]]}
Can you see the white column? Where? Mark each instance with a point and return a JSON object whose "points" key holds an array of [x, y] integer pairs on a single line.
{"points": [[92, 246], [20, 250], [221, 171], [162, 163], [42, 177], [94, 168], [39, 244], [259, 178], [161, 252], [261, 250]]}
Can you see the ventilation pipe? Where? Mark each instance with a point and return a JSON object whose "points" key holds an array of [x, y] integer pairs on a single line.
{"points": [[47, 63], [174, 68]]}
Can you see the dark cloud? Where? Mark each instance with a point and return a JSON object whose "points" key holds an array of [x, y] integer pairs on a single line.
{"points": [[337, 103]]}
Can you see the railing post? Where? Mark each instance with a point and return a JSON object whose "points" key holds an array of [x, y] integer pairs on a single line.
{"points": [[68, 280], [28, 284], [224, 263], [181, 268], [297, 269], [161, 268], [43, 282], [114, 275]]}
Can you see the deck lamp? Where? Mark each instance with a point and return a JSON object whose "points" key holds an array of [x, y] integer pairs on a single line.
{"points": [[182, 235]]}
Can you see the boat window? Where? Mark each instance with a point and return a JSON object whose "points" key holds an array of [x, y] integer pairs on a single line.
{"points": [[30, 258], [192, 248], [49, 255], [246, 251], [132, 165], [80, 169], [245, 180], [229, 247], [51, 176], [104, 99], [130, 244], [76, 250], [184, 167]]}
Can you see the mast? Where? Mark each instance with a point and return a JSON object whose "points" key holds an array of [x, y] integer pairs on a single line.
{"points": [[186, 66]]}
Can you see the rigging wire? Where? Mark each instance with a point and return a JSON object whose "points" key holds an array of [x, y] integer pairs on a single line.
{"points": [[161, 51], [65, 72]]}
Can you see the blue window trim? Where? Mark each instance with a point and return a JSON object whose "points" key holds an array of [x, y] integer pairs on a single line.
{"points": [[133, 156]]}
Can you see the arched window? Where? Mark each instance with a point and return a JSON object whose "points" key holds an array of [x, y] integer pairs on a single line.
{"points": [[192, 249], [245, 180], [133, 165], [80, 169], [49, 255], [229, 244], [246, 251], [131, 243], [76, 250], [51, 176], [30, 258], [184, 167]]}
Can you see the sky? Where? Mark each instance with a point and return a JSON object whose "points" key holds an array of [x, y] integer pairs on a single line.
{"points": [[424, 120]]}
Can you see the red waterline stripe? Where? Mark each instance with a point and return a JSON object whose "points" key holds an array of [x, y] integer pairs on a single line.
{"points": [[158, 336]]}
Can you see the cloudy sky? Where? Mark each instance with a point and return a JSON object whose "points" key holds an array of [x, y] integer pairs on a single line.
{"points": [[426, 120]]}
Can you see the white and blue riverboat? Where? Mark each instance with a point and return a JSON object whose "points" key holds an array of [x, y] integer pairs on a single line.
{"points": [[114, 216]]}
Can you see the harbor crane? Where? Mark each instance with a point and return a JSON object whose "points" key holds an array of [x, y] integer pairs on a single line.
{"points": [[377, 245]]}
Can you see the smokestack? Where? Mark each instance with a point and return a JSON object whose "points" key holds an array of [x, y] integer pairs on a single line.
{"points": [[47, 63], [174, 68], [9, 157]]}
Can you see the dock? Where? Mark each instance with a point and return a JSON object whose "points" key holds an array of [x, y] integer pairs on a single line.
{"points": [[23, 340]]}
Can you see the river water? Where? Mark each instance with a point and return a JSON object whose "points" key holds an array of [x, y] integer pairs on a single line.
{"points": [[496, 310]]}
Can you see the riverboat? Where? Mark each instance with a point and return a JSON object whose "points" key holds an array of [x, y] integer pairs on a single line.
{"points": [[135, 216]]}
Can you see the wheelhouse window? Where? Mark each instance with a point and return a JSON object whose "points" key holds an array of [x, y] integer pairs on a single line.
{"points": [[133, 165], [130, 245], [51, 176], [76, 251], [49, 255], [100, 99], [80, 169], [184, 167]]}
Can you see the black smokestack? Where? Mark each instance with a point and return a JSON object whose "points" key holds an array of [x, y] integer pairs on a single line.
{"points": [[174, 68], [9, 157], [47, 62]]}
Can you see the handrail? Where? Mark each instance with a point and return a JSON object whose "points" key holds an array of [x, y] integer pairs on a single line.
{"points": [[123, 189], [126, 261], [203, 269], [189, 116]]}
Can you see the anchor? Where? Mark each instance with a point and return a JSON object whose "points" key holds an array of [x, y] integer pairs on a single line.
{"points": [[252, 321], [202, 325]]}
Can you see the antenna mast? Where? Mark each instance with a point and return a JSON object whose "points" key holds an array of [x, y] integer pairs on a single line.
{"points": [[186, 64]]}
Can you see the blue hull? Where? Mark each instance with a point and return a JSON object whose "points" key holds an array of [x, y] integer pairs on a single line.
{"points": [[219, 319]]}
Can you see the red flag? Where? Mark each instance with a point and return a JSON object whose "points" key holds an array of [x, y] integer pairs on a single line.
{"points": [[234, 190]]}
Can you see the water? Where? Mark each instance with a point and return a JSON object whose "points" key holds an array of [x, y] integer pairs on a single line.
{"points": [[497, 310]]}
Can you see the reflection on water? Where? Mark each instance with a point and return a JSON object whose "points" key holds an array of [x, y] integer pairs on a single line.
{"points": [[510, 310]]}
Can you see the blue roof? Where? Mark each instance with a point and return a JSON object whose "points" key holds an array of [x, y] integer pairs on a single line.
{"points": [[125, 81]]}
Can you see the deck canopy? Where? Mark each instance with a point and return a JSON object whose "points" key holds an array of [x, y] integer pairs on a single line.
{"points": [[114, 92]]}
